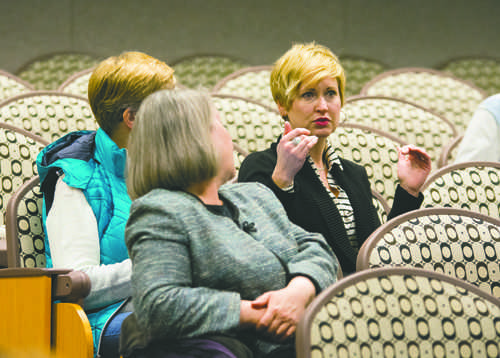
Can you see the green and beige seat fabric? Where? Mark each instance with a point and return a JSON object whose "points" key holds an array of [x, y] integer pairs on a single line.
{"points": [[78, 83], [18, 151], [48, 114], [456, 242], [484, 72], [252, 125], [408, 121], [449, 152], [249, 82], [11, 85], [400, 312], [381, 205], [48, 72], [25, 235], [358, 72], [451, 97], [204, 71], [374, 149], [469, 185]]}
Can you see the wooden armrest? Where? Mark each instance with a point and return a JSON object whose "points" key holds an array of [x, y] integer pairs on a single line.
{"points": [[31, 321], [68, 285]]}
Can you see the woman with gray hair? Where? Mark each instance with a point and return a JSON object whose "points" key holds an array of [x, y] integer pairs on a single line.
{"points": [[218, 269]]}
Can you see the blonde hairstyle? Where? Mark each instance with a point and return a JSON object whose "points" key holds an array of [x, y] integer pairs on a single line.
{"points": [[304, 65], [171, 146], [121, 82]]}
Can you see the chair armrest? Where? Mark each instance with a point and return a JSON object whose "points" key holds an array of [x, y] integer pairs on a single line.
{"points": [[68, 285]]}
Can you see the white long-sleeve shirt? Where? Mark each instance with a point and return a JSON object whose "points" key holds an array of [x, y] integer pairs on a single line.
{"points": [[74, 243], [481, 141]]}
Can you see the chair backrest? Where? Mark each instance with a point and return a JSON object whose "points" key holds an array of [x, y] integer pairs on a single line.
{"points": [[456, 242], [25, 235], [469, 185], [408, 121], [205, 70], [359, 71], [400, 312], [449, 152], [48, 114], [374, 149], [453, 98], [78, 83], [252, 125], [49, 71], [18, 152], [381, 205], [249, 82], [483, 71], [11, 85]]}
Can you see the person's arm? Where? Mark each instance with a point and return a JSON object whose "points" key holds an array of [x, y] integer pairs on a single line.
{"points": [[311, 269], [74, 243], [481, 139]]}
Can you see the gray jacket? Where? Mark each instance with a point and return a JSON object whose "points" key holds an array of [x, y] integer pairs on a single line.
{"points": [[191, 267]]}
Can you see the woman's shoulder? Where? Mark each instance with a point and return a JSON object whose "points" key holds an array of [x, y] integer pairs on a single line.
{"points": [[246, 191], [163, 198]]}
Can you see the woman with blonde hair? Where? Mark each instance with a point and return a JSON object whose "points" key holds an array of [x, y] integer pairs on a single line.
{"points": [[218, 270], [320, 191], [86, 204]]}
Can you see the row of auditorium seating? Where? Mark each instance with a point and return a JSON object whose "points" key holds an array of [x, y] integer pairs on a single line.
{"points": [[49, 71]]}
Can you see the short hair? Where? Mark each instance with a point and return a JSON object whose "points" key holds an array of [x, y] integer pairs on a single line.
{"points": [[121, 82], [304, 65], [171, 146]]}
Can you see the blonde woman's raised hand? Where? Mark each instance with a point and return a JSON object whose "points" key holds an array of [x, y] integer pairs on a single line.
{"points": [[414, 166], [292, 152]]}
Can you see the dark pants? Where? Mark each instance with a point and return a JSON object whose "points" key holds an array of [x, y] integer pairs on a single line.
{"points": [[111, 336]]}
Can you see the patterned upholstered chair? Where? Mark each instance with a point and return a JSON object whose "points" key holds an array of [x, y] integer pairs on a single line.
{"points": [[77, 83], [43, 308], [469, 185], [483, 71], [408, 121], [48, 114], [205, 70], [49, 71], [249, 82], [359, 71], [11, 85], [381, 205], [18, 151], [456, 242], [449, 152], [374, 149], [400, 312], [453, 98], [252, 125], [25, 235]]}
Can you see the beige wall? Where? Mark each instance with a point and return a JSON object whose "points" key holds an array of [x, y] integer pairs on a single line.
{"points": [[396, 32]]}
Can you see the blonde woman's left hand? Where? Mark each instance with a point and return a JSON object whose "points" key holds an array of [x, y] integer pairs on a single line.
{"points": [[414, 166]]}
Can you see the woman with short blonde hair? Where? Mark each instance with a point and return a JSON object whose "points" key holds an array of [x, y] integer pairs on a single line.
{"points": [[320, 191]]}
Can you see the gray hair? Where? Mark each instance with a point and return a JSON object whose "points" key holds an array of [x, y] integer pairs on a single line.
{"points": [[170, 145]]}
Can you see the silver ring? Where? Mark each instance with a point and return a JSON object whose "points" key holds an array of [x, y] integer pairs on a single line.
{"points": [[296, 141]]}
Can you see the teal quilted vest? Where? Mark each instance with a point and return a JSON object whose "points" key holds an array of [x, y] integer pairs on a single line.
{"points": [[92, 162]]}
